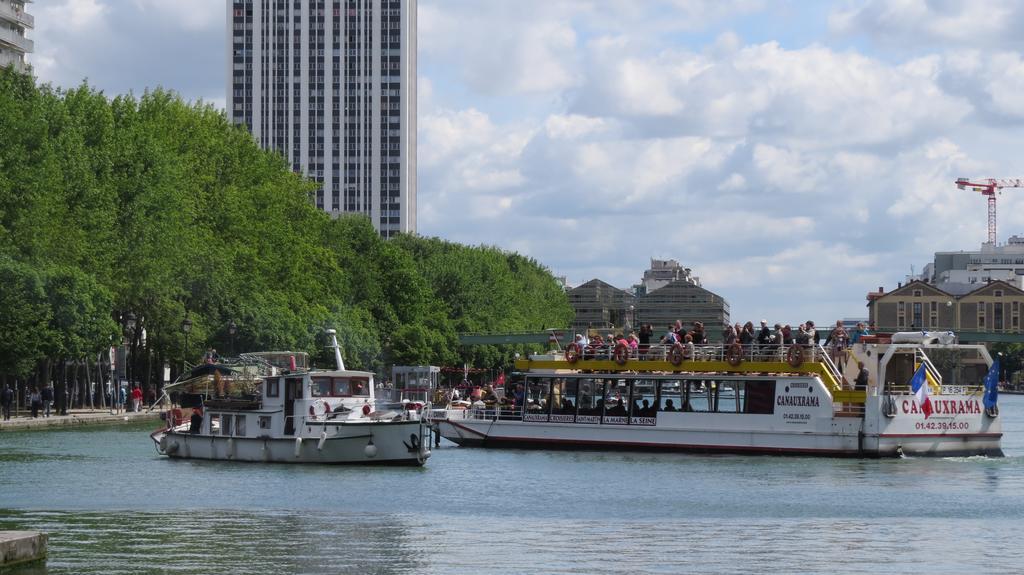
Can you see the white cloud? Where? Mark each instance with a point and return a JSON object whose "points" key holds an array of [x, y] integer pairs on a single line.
{"points": [[190, 15]]}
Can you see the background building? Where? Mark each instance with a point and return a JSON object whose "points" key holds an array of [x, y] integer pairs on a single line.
{"points": [[667, 292], [331, 84], [663, 272], [964, 271], [981, 314], [14, 23]]}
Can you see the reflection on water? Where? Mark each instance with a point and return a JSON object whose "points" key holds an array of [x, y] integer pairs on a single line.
{"points": [[111, 505], [242, 542]]}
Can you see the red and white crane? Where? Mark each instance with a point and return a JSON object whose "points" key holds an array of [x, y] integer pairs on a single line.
{"points": [[988, 187]]}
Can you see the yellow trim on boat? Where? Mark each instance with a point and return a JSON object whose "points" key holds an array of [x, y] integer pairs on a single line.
{"points": [[656, 365]]}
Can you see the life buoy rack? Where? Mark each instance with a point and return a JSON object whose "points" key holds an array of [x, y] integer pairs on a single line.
{"points": [[573, 352], [676, 354], [366, 409], [621, 353], [734, 355], [795, 355]]}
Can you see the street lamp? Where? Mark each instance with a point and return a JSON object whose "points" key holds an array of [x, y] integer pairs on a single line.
{"points": [[129, 329], [186, 326], [632, 317], [232, 330]]}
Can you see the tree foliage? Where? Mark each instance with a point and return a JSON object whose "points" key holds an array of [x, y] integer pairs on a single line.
{"points": [[163, 209]]}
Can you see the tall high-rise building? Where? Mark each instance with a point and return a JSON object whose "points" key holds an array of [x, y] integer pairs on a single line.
{"points": [[14, 22], [331, 84]]}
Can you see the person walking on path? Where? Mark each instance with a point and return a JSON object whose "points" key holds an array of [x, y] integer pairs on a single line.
{"points": [[47, 397], [35, 401], [136, 399], [6, 400]]}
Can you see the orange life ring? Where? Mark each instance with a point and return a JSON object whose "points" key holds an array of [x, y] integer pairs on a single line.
{"points": [[621, 353], [795, 355], [734, 355], [675, 355], [366, 409], [573, 352]]}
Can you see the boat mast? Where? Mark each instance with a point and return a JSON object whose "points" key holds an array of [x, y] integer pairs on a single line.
{"points": [[337, 349]]}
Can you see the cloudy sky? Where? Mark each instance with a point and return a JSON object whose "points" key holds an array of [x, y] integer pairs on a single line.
{"points": [[794, 154]]}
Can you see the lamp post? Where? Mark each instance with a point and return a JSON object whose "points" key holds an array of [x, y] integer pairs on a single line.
{"points": [[186, 326], [232, 330], [632, 317], [129, 329]]}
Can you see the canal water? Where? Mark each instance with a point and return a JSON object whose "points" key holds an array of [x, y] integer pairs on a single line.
{"points": [[111, 505]]}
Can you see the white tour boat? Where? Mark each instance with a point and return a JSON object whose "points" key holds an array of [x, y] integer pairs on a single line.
{"points": [[768, 399], [299, 415]]}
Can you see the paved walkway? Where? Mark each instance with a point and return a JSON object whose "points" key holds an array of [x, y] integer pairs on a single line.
{"points": [[74, 417]]}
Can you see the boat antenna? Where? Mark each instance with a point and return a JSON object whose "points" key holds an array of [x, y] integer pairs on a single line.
{"points": [[337, 349]]}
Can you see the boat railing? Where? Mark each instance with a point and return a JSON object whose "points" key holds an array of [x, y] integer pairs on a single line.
{"points": [[707, 352]]}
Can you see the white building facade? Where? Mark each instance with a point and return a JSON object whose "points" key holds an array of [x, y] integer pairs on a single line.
{"points": [[14, 25], [331, 85]]}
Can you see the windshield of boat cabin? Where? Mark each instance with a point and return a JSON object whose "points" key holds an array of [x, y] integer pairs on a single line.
{"points": [[340, 387]]}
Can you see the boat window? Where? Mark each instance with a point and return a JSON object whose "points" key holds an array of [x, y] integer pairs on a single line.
{"points": [[214, 424], [670, 397], [697, 395], [726, 396], [360, 386], [273, 388], [240, 425], [759, 397], [537, 391], [641, 398], [591, 400], [225, 425], [342, 386], [264, 422], [564, 394], [320, 387]]}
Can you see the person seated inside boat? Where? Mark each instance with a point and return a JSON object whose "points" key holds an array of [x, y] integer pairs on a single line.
{"points": [[645, 410], [567, 407], [196, 422], [476, 393], [618, 410], [488, 395], [670, 406]]}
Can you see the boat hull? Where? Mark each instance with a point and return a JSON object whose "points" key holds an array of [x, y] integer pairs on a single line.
{"points": [[873, 434], [393, 443]]}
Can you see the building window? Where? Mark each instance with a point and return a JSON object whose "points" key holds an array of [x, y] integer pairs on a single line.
{"points": [[981, 315], [917, 293], [917, 322], [933, 314], [999, 293], [997, 319], [901, 311]]}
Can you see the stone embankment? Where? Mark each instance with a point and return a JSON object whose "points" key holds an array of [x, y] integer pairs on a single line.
{"points": [[22, 422], [19, 547]]}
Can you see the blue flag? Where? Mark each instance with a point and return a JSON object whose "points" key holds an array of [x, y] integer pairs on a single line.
{"points": [[992, 385]]}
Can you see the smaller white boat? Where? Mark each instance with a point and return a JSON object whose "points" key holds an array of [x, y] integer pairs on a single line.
{"points": [[297, 415]]}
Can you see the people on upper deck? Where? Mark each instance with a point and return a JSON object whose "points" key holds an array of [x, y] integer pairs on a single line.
{"points": [[747, 335], [670, 338], [836, 343], [688, 347], [699, 335], [815, 337], [644, 337], [729, 335], [787, 335], [764, 335], [805, 334], [859, 332], [776, 337]]}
